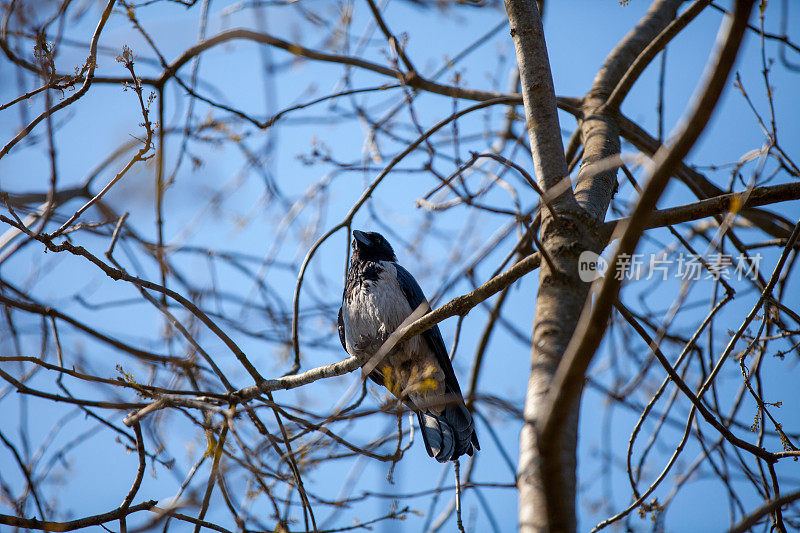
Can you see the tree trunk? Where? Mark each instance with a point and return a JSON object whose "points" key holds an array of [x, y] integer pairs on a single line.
{"points": [[559, 303], [561, 294], [565, 232]]}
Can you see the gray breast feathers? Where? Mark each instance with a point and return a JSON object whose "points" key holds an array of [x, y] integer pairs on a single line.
{"points": [[373, 308], [371, 312]]}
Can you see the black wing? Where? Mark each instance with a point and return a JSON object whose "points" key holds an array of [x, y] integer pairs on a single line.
{"points": [[340, 327], [433, 336]]}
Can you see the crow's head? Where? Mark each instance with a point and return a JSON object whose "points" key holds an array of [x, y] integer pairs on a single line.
{"points": [[371, 246]]}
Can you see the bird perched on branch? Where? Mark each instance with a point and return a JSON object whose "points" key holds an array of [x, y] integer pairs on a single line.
{"points": [[379, 295]]}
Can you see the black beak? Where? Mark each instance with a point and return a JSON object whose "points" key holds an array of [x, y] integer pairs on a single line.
{"points": [[361, 237]]}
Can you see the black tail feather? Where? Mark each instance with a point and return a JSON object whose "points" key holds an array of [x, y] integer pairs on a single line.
{"points": [[448, 435]]}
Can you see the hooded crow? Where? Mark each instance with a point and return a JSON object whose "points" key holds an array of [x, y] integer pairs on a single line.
{"points": [[379, 295]]}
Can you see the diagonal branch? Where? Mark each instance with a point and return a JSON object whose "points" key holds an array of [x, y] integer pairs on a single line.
{"points": [[747, 523], [724, 203], [700, 186], [651, 50], [598, 129]]}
